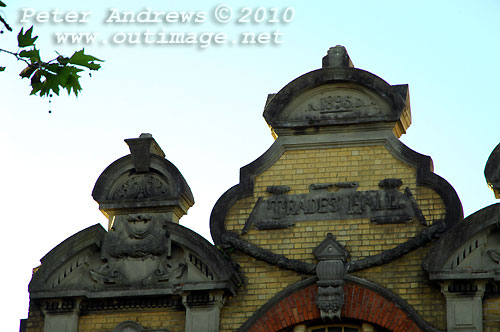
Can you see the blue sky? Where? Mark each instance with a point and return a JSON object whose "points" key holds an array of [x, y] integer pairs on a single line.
{"points": [[204, 105]]}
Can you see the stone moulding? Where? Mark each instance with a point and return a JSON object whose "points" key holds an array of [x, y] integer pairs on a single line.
{"points": [[202, 256], [394, 303], [480, 222], [387, 256], [395, 96]]}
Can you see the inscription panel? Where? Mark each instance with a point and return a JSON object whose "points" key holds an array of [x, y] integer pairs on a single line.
{"points": [[336, 102], [388, 205]]}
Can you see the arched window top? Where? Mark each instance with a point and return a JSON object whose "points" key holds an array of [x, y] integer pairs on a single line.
{"points": [[335, 328]]}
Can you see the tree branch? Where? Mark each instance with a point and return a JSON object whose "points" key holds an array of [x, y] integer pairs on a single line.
{"points": [[5, 24]]}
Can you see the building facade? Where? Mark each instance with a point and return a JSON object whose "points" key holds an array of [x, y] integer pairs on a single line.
{"points": [[337, 227]]}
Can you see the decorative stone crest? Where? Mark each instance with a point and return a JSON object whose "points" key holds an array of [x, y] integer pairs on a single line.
{"points": [[141, 194], [330, 270], [137, 250]]}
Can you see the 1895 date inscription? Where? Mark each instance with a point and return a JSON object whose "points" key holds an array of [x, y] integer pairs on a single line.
{"points": [[336, 103]]}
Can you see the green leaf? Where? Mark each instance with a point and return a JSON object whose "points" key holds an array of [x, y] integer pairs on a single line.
{"points": [[33, 54], [2, 4], [66, 72], [27, 72], [84, 60], [62, 60], [52, 67], [73, 83], [25, 39], [35, 88], [2, 68], [35, 79], [51, 83]]}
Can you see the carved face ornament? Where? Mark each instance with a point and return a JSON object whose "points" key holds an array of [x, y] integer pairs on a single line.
{"points": [[138, 226]]}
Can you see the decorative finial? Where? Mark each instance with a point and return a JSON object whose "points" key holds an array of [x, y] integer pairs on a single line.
{"points": [[141, 148], [337, 57]]}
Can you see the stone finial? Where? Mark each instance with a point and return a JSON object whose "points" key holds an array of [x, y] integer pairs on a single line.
{"points": [[141, 148], [337, 57]]}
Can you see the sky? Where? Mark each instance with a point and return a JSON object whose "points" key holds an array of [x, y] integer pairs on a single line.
{"points": [[203, 102]]}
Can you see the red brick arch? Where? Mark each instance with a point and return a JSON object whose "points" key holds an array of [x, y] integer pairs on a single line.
{"points": [[361, 303]]}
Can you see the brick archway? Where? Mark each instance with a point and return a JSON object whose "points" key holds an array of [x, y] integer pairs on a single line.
{"points": [[361, 303]]}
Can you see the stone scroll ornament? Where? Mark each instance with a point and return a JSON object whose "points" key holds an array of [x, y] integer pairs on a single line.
{"points": [[137, 250], [330, 270], [335, 201]]}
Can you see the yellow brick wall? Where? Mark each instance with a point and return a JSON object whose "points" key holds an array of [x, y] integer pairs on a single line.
{"points": [[366, 165], [491, 314], [35, 320], [105, 321], [406, 278]]}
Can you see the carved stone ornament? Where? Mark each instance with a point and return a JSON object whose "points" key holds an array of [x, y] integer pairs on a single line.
{"points": [[330, 270], [335, 201], [142, 181], [137, 250], [130, 326], [142, 186], [330, 301]]}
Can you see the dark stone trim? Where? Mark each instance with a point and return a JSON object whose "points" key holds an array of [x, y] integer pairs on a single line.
{"points": [[57, 306], [268, 256], [91, 305], [458, 235], [401, 303], [421, 239], [387, 256], [427, 178], [240, 191]]}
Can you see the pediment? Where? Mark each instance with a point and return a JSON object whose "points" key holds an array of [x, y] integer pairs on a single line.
{"points": [[336, 104], [105, 266], [471, 249]]}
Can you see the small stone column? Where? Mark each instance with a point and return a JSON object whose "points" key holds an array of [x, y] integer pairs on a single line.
{"points": [[464, 306], [61, 316], [203, 312]]}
